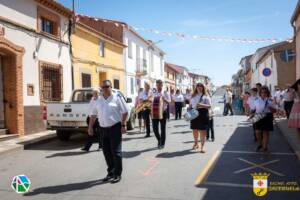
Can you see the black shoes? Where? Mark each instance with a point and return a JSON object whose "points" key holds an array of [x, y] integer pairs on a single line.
{"points": [[146, 136], [109, 177], [116, 179], [85, 149]]}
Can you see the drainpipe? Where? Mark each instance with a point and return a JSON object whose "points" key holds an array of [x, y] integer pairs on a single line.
{"points": [[71, 29]]}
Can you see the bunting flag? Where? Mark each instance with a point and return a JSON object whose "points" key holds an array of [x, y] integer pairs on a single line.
{"points": [[184, 36]]}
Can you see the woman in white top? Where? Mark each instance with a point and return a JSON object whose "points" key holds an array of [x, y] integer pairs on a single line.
{"points": [[264, 104], [251, 101], [200, 101], [178, 99]]}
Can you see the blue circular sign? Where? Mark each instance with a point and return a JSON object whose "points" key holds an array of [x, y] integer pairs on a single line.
{"points": [[266, 72]]}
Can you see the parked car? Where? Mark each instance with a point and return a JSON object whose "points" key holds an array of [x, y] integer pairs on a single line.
{"points": [[71, 117]]}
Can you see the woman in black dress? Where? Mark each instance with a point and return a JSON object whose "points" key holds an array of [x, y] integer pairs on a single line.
{"points": [[200, 101]]}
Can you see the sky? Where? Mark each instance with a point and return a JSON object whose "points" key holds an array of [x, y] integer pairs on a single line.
{"points": [[224, 18]]}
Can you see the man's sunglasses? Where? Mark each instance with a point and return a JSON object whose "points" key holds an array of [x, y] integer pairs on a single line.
{"points": [[105, 87]]}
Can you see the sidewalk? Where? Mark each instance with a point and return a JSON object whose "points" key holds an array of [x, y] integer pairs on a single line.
{"points": [[290, 135], [22, 141]]}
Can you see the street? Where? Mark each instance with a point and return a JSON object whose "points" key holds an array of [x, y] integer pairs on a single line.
{"points": [[59, 170]]}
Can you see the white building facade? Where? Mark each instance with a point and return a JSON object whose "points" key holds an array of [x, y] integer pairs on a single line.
{"points": [[34, 36], [143, 60]]}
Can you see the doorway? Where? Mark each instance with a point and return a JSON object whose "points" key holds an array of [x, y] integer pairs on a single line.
{"points": [[2, 112], [102, 77]]}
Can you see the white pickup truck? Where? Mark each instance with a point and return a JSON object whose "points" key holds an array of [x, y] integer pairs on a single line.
{"points": [[71, 117]]}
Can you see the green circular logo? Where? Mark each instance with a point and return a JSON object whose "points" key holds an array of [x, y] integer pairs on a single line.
{"points": [[21, 184]]}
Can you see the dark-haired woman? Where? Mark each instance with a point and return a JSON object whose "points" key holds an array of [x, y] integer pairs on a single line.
{"points": [[264, 104], [294, 119], [200, 101]]}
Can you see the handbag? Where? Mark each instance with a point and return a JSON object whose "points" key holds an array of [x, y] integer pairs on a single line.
{"points": [[258, 116], [192, 113]]}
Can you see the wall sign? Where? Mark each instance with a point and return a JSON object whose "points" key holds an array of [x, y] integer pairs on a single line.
{"points": [[267, 72]]}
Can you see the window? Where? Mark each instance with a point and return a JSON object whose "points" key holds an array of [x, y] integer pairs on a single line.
{"points": [[138, 61], [102, 49], [47, 26], [129, 49], [51, 82], [132, 85], [86, 80], [48, 22], [287, 55], [116, 84], [82, 96], [30, 90]]}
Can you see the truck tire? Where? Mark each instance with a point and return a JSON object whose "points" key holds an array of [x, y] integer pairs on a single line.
{"points": [[63, 135], [130, 123]]}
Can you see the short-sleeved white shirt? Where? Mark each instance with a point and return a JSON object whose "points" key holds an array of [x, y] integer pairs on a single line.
{"points": [[261, 105], [92, 104], [178, 98], [145, 95], [196, 99], [251, 101], [110, 110]]}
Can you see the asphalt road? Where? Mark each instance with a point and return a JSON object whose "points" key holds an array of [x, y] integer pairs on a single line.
{"points": [[59, 170]]}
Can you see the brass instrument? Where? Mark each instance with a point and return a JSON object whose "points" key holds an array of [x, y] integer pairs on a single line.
{"points": [[143, 105]]}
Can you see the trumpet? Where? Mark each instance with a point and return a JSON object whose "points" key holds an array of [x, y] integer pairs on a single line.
{"points": [[143, 105]]}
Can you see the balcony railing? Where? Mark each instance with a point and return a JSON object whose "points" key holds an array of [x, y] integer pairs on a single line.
{"points": [[141, 67]]}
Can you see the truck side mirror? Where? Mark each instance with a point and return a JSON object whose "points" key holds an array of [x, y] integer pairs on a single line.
{"points": [[129, 100]]}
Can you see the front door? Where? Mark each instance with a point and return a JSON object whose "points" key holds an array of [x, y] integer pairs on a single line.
{"points": [[2, 118]]}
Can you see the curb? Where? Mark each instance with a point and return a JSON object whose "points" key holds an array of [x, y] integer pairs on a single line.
{"points": [[21, 145]]}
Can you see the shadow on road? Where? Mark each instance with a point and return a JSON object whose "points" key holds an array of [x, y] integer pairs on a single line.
{"points": [[181, 132], [176, 153], [69, 153], [131, 154], [65, 188]]}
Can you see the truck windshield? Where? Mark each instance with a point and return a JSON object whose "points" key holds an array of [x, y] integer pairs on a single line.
{"points": [[82, 96]]}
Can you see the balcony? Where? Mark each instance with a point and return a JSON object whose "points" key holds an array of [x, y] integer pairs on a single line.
{"points": [[141, 67]]}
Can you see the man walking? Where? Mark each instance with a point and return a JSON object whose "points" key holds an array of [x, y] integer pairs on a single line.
{"points": [[161, 138], [112, 112], [228, 102]]}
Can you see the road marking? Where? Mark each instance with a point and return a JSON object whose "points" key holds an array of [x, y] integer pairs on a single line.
{"points": [[153, 164], [262, 153], [261, 166], [227, 184], [208, 167]]}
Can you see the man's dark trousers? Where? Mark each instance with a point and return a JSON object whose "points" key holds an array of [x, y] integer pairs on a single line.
{"points": [[161, 138], [112, 148], [146, 116]]}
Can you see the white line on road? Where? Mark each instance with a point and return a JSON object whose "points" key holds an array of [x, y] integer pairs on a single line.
{"points": [[262, 153], [227, 184]]}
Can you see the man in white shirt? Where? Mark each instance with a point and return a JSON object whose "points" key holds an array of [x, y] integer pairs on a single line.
{"points": [[145, 97], [112, 112], [228, 102], [288, 100], [178, 99], [161, 138], [97, 133]]}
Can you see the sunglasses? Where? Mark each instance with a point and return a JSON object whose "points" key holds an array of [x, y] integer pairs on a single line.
{"points": [[105, 87], [199, 86]]}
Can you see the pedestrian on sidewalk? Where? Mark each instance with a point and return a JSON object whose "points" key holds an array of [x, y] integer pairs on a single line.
{"points": [[200, 101], [146, 97], [294, 120], [97, 133], [140, 114], [264, 105], [228, 102], [210, 130], [245, 102], [251, 101], [179, 100], [160, 102], [112, 112], [172, 104], [288, 100]]}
